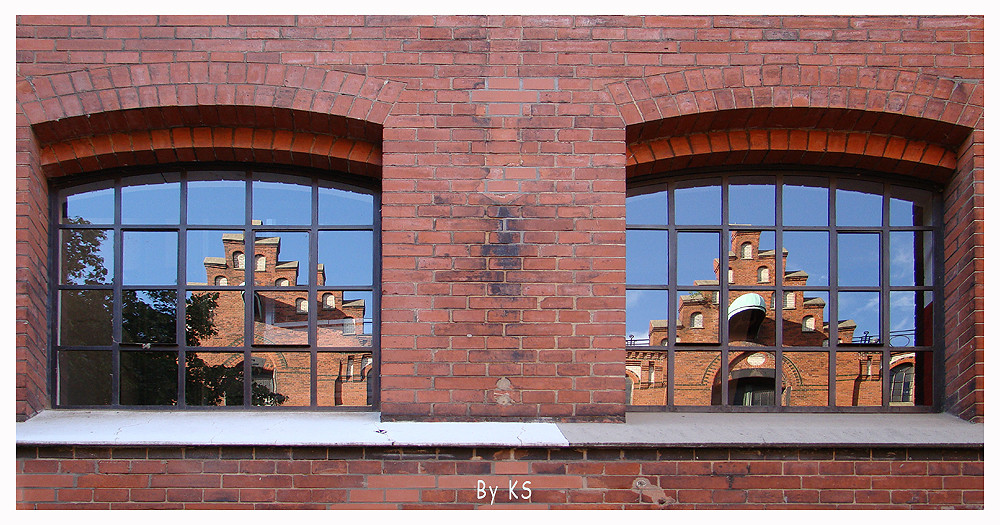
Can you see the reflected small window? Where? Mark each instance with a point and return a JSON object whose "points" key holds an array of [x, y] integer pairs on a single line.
{"points": [[808, 323], [730, 276], [789, 299], [697, 320], [281, 282], [746, 251], [349, 327], [763, 274], [239, 260], [301, 306], [260, 263], [221, 281], [329, 301]]}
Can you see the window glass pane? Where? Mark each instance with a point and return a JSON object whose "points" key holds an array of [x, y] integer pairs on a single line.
{"points": [[751, 378], [281, 318], [647, 378], [149, 316], [646, 257], [152, 199], [217, 201], [751, 201], [650, 208], [84, 378], [645, 317], [909, 207], [859, 315], [214, 318], [342, 379], [86, 256], [148, 378], [805, 201], [345, 258], [697, 317], [85, 317], [698, 204], [341, 206], [344, 319], [89, 204], [859, 378], [213, 379], [805, 378], [697, 257], [282, 255], [910, 258], [282, 203], [911, 319], [211, 257], [910, 379], [696, 378], [808, 258], [858, 259], [149, 257], [806, 323], [281, 379], [751, 256], [859, 204]]}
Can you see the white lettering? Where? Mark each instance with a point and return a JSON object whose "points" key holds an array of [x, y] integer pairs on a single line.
{"points": [[510, 489], [480, 489], [527, 491], [493, 493]]}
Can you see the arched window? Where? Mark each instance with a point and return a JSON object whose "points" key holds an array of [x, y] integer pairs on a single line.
{"points": [[901, 384], [260, 263], [808, 323], [730, 276], [697, 320], [239, 260], [301, 305], [281, 282], [746, 250], [221, 281], [789, 300], [329, 301], [763, 274]]}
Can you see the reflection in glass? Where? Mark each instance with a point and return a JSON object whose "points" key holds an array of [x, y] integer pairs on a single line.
{"points": [[750, 203], [808, 258], [85, 317], [216, 201], [858, 256], [148, 378], [154, 200], [859, 314], [282, 203], [280, 378], [340, 206], [342, 378], [911, 318], [344, 319], [84, 377], [149, 316], [697, 318], [859, 378], [213, 379], [910, 255], [96, 206], [859, 204], [646, 257], [650, 208], [751, 319], [804, 379], [86, 256], [277, 320], [149, 257], [696, 378], [909, 207], [214, 318], [697, 257], [805, 202], [910, 379], [808, 323], [647, 378], [751, 378], [210, 256], [645, 317], [698, 205], [284, 255], [345, 258]]}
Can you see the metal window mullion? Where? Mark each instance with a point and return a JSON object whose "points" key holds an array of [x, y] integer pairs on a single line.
{"points": [[779, 282], [833, 334], [937, 337], [116, 296], [724, 242], [249, 291], [884, 296], [671, 297], [55, 304], [375, 375], [182, 293], [311, 295]]}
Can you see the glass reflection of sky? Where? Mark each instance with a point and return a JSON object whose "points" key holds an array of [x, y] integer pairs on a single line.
{"points": [[698, 205], [646, 209], [858, 259], [855, 208], [201, 244], [641, 306], [347, 257], [751, 204], [804, 205], [279, 203], [149, 258], [151, 203], [216, 202], [344, 207], [646, 256], [367, 298], [696, 253], [808, 252], [294, 247], [863, 309], [94, 207]]}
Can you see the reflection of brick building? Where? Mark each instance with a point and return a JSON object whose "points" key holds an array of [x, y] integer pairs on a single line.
{"points": [[751, 317], [281, 318]]}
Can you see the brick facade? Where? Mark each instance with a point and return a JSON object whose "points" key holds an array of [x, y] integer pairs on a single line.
{"points": [[503, 146]]}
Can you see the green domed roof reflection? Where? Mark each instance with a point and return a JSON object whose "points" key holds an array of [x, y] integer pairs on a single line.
{"points": [[747, 302]]}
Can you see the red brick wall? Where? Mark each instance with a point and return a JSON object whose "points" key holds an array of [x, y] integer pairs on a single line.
{"points": [[610, 478]]}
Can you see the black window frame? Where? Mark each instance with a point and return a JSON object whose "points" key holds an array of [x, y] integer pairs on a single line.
{"points": [[317, 178]]}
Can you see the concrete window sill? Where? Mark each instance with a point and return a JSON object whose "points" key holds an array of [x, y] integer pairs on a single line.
{"points": [[168, 428]]}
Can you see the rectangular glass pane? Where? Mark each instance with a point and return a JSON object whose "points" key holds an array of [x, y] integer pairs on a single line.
{"points": [[751, 257], [89, 204], [696, 381], [282, 258], [697, 258], [646, 256], [148, 378], [805, 324], [282, 203], [85, 317], [217, 201], [86, 256], [751, 321], [281, 379], [910, 379], [751, 378], [807, 260], [149, 316], [858, 256], [213, 379], [650, 208], [859, 315], [342, 206], [698, 317], [751, 201], [698, 204], [345, 258], [281, 318], [152, 199], [859, 379], [84, 377], [805, 201], [344, 319], [804, 379], [213, 257], [859, 203], [149, 257], [214, 318], [647, 377], [910, 258], [646, 317], [911, 319], [342, 378], [909, 207]]}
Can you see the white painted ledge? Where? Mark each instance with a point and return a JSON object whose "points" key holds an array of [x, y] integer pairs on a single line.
{"points": [[292, 428]]}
